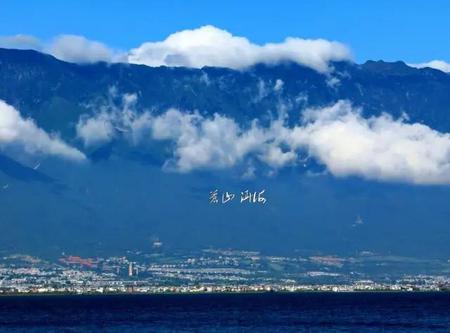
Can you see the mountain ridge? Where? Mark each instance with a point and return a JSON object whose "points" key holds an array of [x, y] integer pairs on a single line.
{"points": [[122, 197], [377, 86]]}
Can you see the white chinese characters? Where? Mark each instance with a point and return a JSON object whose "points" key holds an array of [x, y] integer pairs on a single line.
{"points": [[247, 196]]}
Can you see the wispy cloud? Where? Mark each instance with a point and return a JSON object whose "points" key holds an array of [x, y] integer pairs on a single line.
{"points": [[71, 48], [110, 119], [79, 49], [436, 64], [95, 130], [205, 46], [15, 130], [21, 42], [338, 136]]}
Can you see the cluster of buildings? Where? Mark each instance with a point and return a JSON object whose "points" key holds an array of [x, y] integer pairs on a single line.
{"points": [[207, 271]]}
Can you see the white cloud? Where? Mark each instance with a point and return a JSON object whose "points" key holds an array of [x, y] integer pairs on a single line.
{"points": [[200, 142], [70, 48], [275, 157], [217, 142], [21, 42], [205, 46], [338, 136], [436, 64], [95, 130], [211, 46], [78, 49], [15, 130], [378, 148], [111, 119]]}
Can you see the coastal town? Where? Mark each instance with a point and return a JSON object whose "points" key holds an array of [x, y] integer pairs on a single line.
{"points": [[217, 271]]}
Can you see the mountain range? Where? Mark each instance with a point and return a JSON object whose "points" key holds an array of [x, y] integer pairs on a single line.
{"points": [[140, 179]]}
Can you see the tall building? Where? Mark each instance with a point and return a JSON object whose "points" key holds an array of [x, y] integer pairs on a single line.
{"points": [[130, 269]]}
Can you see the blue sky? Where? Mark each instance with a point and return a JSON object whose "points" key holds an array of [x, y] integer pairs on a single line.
{"points": [[414, 31]]}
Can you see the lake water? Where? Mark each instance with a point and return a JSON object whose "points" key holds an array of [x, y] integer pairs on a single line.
{"points": [[271, 312]]}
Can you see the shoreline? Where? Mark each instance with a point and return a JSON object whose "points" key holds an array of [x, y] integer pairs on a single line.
{"points": [[98, 294]]}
